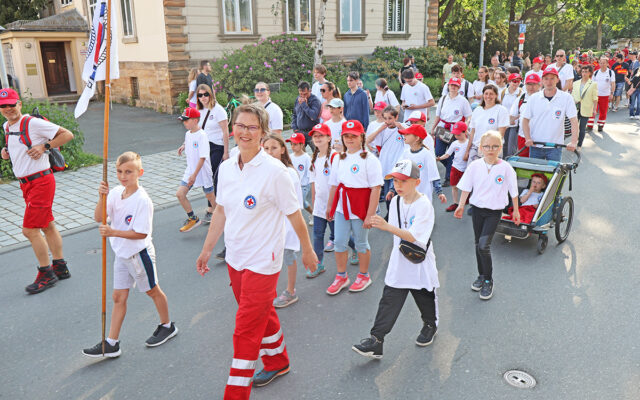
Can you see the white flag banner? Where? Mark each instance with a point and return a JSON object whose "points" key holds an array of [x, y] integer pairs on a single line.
{"points": [[95, 64]]}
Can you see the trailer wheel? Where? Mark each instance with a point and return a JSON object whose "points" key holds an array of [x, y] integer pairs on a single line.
{"points": [[564, 219], [542, 243]]}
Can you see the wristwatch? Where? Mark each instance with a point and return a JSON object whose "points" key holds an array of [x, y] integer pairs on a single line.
{"points": [[47, 146]]}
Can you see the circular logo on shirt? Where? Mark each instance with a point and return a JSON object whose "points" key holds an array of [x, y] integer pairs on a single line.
{"points": [[456, 112], [355, 169], [195, 145], [558, 113], [399, 138], [350, 124], [607, 80], [419, 165], [250, 202], [211, 117], [500, 179], [127, 219], [411, 220], [300, 167], [325, 172], [492, 121]]}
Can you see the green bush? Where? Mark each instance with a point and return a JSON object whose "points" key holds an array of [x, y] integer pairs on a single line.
{"points": [[59, 115], [435, 86], [183, 101], [286, 99]]}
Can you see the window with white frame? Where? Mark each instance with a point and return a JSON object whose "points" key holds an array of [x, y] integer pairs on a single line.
{"points": [[298, 16], [238, 16], [64, 3], [350, 16], [92, 7], [396, 14], [127, 18]]}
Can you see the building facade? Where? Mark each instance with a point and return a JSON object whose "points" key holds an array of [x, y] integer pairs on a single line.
{"points": [[159, 40]]}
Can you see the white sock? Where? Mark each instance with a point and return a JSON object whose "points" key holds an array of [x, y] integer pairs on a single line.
{"points": [[167, 325], [112, 342]]}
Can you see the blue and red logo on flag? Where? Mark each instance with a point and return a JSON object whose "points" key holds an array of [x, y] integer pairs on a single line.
{"points": [[300, 167], [250, 202], [325, 172], [499, 179], [127, 219], [355, 169], [492, 121]]}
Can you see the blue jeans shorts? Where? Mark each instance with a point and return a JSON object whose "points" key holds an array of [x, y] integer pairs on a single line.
{"points": [[204, 189], [346, 228], [619, 89]]}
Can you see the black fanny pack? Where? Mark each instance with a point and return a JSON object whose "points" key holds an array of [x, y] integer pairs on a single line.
{"points": [[411, 251]]}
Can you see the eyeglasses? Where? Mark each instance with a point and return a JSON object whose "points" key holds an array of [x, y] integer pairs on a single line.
{"points": [[8, 105], [492, 147], [559, 55], [260, 90], [242, 127], [203, 94]]}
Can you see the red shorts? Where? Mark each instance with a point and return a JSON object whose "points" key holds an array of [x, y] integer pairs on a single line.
{"points": [[521, 142], [38, 197], [455, 176]]}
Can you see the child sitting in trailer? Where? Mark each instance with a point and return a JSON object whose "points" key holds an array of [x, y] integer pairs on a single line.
{"points": [[530, 198]]}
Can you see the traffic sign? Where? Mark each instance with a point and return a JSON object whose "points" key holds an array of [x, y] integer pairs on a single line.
{"points": [[521, 38], [522, 28]]}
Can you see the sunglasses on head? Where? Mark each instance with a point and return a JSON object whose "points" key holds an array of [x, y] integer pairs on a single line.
{"points": [[260, 90], [203, 94], [8, 105]]}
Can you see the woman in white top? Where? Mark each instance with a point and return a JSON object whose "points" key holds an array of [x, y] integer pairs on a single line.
{"points": [[510, 95], [500, 80], [213, 120], [383, 93], [478, 85], [263, 93], [255, 197], [191, 97], [489, 115], [328, 91]]}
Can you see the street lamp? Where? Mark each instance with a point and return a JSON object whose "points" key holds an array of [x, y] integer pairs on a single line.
{"points": [[482, 31]]}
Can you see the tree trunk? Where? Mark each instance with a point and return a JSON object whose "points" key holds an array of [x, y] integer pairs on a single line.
{"points": [[512, 37], [599, 30], [317, 59], [445, 13]]}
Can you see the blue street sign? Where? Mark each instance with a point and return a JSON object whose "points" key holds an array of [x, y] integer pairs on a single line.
{"points": [[522, 28]]}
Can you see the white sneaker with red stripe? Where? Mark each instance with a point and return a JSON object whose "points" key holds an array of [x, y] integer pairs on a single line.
{"points": [[338, 284], [362, 282]]}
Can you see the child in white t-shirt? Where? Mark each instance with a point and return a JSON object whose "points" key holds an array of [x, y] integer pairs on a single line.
{"points": [[198, 172], [411, 219], [456, 149], [378, 108], [530, 199], [302, 163], [336, 107], [275, 146], [130, 212], [491, 180]]}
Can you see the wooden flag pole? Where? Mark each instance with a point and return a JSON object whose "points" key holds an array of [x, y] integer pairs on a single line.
{"points": [[105, 156]]}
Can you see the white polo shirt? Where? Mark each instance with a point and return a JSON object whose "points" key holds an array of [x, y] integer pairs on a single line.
{"points": [[452, 110], [302, 164], [355, 172], [414, 95], [483, 120], [426, 162], [489, 189], [565, 73], [546, 118], [135, 213], [196, 147], [212, 127], [604, 80], [256, 201], [401, 273], [516, 111], [291, 240], [40, 132], [389, 98], [320, 178], [275, 115]]}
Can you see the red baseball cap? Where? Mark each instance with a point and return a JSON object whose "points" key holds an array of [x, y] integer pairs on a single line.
{"points": [[322, 129], [515, 77], [414, 129], [417, 116], [189, 112], [455, 81], [419, 75], [550, 70], [541, 176], [459, 128], [381, 105], [296, 137], [532, 78], [353, 127], [538, 60], [8, 96]]}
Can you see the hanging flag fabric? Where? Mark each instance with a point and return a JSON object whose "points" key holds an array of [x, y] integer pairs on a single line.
{"points": [[95, 64]]}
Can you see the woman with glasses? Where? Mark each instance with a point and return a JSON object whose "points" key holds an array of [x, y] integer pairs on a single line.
{"points": [[213, 120], [263, 95], [255, 197], [328, 91], [489, 115]]}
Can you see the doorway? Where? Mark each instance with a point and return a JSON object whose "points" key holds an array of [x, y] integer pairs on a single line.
{"points": [[54, 64]]}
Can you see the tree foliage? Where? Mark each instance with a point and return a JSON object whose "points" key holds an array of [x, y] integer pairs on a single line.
{"points": [[13, 10]]}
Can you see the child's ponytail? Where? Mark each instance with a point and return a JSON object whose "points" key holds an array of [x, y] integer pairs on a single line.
{"points": [[363, 154], [328, 159], [343, 154], [315, 157]]}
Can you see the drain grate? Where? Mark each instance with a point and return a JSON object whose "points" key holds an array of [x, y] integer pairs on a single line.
{"points": [[519, 379]]}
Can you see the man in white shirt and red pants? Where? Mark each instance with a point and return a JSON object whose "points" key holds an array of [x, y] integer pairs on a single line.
{"points": [[31, 166]]}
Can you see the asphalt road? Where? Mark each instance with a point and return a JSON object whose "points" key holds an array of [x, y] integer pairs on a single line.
{"points": [[566, 316]]}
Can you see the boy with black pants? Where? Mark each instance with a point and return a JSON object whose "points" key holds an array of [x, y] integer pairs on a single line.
{"points": [[411, 219]]}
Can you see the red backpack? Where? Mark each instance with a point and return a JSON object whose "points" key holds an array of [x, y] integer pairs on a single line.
{"points": [[56, 159]]}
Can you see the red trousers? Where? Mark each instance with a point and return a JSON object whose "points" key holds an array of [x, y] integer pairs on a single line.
{"points": [[257, 332], [601, 111]]}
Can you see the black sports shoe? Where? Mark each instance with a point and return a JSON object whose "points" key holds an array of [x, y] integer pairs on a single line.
{"points": [[45, 279], [109, 350], [600, 128], [161, 335], [446, 183], [487, 290], [221, 256], [61, 270], [369, 347], [477, 284], [426, 335], [265, 377]]}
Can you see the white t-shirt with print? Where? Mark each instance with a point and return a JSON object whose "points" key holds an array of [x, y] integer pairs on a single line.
{"points": [[426, 162], [516, 111], [135, 213], [489, 186], [415, 95], [401, 273], [291, 240], [389, 98], [533, 200], [483, 120], [546, 118], [40, 132], [391, 148], [301, 164], [212, 128], [355, 172], [457, 150], [320, 176], [508, 99], [565, 73], [196, 147], [336, 131]]}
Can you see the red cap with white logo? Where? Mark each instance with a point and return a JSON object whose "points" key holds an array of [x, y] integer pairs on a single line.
{"points": [[188, 113], [296, 137], [8, 96], [322, 129], [353, 127]]}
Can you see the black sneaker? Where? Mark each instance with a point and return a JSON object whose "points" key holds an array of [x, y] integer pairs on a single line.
{"points": [[477, 284], [426, 335], [161, 335], [61, 270], [265, 377], [600, 128], [369, 347], [221, 256], [109, 350], [45, 279], [207, 218], [487, 290], [446, 183]]}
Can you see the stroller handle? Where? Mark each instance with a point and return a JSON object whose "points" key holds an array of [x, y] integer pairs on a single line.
{"points": [[556, 145]]}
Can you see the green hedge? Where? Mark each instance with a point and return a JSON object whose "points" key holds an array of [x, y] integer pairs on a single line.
{"points": [[60, 115]]}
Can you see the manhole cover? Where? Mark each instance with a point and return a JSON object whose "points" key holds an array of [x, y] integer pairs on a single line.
{"points": [[519, 379]]}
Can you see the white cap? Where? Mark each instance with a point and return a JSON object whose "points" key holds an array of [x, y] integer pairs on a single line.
{"points": [[403, 170]]}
